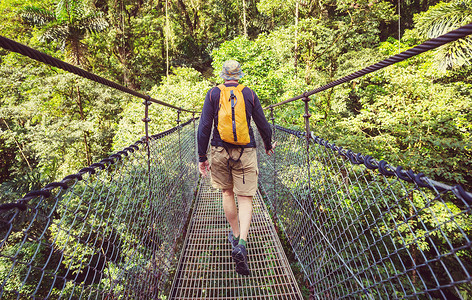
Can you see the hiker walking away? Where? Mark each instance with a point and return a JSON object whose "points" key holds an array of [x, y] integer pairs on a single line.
{"points": [[228, 109]]}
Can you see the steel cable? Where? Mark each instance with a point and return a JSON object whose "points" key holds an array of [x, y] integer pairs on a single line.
{"points": [[426, 46], [111, 230], [52, 61], [363, 228], [358, 227]]}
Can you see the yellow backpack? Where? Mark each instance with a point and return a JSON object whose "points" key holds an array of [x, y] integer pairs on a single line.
{"points": [[232, 122]]}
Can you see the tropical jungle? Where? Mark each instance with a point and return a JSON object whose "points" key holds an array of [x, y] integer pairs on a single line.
{"points": [[416, 114]]}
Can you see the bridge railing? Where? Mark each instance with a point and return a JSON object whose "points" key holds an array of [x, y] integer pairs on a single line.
{"points": [[364, 229], [109, 231]]}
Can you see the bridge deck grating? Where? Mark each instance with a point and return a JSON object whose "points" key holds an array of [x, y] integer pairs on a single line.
{"points": [[206, 269]]}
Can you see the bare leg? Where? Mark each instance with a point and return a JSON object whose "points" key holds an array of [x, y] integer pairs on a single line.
{"points": [[245, 215], [231, 211]]}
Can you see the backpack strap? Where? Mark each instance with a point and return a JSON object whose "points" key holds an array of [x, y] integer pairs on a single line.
{"points": [[211, 91], [240, 87]]}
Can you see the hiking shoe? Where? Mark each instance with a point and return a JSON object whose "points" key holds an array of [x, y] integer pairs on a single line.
{"points": [[239, 255], [234, 242]]}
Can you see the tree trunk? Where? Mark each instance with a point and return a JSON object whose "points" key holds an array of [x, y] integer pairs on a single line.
{"points": [[183, 8], [295, 63], [123, 53], [86, 133], [244, 18], [167, 40], [123, 49], [128, 77], [18, 145]]}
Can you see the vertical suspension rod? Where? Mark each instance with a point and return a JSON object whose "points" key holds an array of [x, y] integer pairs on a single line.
{"points": [[180, 154], [146, 121], [275, 197], [195, 142], [307, 116], [195, 139], [180, 142]]}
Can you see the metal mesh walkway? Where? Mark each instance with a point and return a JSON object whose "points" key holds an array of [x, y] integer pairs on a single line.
{"points": [[206, 270]]}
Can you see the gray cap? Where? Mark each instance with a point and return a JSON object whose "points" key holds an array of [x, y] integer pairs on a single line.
{"points": [[231, 70]]}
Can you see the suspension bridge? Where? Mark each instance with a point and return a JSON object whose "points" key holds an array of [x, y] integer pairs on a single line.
{"points": [[142, 224]]}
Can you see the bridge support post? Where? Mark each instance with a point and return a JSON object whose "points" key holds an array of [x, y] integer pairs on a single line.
{"points": [[146, 121], [180, 160], [195, 141], [180, 144], [307, 116], [274, 197]]}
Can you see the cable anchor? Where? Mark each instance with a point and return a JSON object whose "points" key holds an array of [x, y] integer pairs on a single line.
{"points": [[178, 117], [146, 118], [307, 115]]}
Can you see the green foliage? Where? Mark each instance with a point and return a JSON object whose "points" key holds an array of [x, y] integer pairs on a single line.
{"points": [[442, 18], [403, 117], [67, 25], [280, 12], [410, 114], [266, 63], [58, 121], [11, 25], [27, 252], [184, 88]]}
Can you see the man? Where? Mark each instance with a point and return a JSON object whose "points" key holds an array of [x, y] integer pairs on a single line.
{"points": [[233, 167]]}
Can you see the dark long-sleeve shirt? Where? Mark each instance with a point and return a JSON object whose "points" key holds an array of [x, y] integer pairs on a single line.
{"points": [[209, 117]]}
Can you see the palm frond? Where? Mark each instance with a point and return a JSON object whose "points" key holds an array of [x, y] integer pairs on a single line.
{"points": [[455, 54], [70, 10], [23, 183], [36, 16], [68, 25], [58, 33], [443, 18], [94, 22]]}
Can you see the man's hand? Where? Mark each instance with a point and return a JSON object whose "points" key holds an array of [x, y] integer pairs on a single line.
{"points": [[271, 150], [204, 167]]}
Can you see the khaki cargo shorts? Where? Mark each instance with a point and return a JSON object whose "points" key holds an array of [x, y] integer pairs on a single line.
{"points": [[240, 176]]}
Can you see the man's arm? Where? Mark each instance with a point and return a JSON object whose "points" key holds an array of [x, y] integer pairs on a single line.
{"points": [[262, 124], [205, 127]]}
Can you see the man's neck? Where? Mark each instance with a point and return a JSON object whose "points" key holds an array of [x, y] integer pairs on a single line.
{"points": [[231, 81]]}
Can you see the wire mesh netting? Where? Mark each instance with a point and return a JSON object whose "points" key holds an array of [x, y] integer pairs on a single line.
{"points": [[109, 231], [358, 233], [206, 269]]}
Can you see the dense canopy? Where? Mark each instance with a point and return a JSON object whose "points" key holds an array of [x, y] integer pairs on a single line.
{"points": [[416, 114]]}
